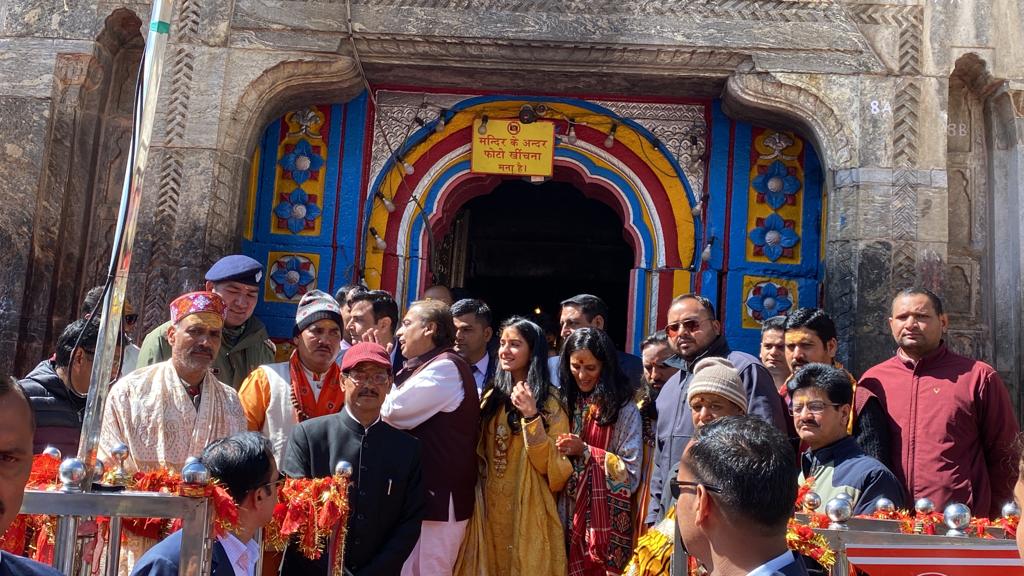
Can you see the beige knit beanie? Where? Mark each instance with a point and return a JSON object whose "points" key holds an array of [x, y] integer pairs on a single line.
{"points": [[718, 376]]}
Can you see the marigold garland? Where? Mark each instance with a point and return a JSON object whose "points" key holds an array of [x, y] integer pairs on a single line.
{"points": [[802, 539], [312, 510]]}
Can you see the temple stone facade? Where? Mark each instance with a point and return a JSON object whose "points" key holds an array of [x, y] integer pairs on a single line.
{"points": [[916, 110]]}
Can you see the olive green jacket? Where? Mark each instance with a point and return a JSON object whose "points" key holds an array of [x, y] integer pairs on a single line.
{"points": [[233, 363]]}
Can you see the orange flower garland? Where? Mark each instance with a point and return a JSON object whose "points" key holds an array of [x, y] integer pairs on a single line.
{"points": [[312, 510]]}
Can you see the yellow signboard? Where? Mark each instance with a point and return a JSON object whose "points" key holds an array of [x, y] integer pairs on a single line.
{"points": [[513, 148]]}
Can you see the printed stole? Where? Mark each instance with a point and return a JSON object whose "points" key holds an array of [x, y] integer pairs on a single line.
{"points": [[600, 538], [306, 405]]}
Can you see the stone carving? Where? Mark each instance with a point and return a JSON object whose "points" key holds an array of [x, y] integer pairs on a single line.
{"points": [[905, 122], [766, 91], [189, 18], [904, 204], [842, 291], [1017, 99], [904, 265], [166, 213], [908, 19], [760, 10], [182, 68]]}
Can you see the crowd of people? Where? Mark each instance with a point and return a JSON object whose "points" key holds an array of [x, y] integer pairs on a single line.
{"points": [[522, 447]]}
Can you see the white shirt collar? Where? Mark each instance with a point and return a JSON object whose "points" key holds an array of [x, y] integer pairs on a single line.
{"points": [[774, 565], [234, 548], [353, 416], [480, 372]]}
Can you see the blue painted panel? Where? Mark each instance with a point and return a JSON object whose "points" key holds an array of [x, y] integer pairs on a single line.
{"points": [[351, 189], [280, 316]]}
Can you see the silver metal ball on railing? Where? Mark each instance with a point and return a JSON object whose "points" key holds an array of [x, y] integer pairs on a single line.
{"points": [[98, 470], [924, 506], [343, 468], [52, 452], [839, 510], [844, 496], [811, 502], [195, 473], [1011, 510], [885, 505], [119, 454], [71, 473], [957, 517]]}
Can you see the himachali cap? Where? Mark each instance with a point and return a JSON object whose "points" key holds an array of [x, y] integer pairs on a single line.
{"points": [[196, 303], [365, 352], [315, 306], [715, 375], [236, 268]]}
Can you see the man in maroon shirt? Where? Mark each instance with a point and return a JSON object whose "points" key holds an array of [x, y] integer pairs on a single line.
{"points": [[951, 418]]}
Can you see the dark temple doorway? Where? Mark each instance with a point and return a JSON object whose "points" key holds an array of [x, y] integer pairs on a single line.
{"points": [[526, 247]]}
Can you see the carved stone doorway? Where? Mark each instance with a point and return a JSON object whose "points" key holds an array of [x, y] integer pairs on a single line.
{"points": [[526, 247]]}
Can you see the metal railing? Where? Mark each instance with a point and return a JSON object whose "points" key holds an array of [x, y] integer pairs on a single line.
{"points": [[72, 508]]}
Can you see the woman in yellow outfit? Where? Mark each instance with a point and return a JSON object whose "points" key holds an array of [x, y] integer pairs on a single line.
{"points": [[515, 529]]}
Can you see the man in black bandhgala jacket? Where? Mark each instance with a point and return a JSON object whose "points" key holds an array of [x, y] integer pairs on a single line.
{"points": [[385, 496]]}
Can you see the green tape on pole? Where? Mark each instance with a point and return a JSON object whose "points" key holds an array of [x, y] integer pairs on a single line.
{"points": [[160, 27]]}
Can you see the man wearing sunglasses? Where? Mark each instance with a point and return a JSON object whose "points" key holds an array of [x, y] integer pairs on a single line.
{"points": [[386, 496], [244, 465], [834, 463], [694, 333], [734, 496]]}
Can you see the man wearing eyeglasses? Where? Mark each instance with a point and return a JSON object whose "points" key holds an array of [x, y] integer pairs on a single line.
{"points": [[244, 465], [386, 494], [811, 338], [694, 333], [734, 496], [834, 464]]}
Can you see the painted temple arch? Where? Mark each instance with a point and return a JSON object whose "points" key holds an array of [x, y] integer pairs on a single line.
{"points": [[707, 203]]}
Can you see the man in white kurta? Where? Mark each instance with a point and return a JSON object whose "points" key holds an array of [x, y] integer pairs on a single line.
{"points": [[171, 410]]}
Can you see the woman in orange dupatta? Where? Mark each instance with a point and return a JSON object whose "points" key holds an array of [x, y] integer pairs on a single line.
{"points": [[605, 448]]}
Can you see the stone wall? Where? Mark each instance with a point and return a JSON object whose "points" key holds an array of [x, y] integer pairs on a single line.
{"points": [[869, 82]]}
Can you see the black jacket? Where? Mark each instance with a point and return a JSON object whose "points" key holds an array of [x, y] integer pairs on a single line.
{"points": [[58, 411], [386, 499]]}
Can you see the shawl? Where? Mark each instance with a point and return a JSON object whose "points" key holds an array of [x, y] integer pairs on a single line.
{"points": [[600, 530], [150, 411]]}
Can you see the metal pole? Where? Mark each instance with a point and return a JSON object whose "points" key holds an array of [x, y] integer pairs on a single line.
{"points": [[64, 544], [124, 235], [114, 546]]}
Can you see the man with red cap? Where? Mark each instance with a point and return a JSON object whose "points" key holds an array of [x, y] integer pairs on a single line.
{"points": [[275, 397], [245, 344], [385, 493], [174, 409]]}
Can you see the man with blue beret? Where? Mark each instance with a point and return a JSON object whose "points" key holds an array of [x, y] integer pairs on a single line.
{"points": [[246, 344]]}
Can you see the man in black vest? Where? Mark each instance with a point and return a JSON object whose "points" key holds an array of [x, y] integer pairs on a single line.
{"points": [[385, 496], [435, 399]]}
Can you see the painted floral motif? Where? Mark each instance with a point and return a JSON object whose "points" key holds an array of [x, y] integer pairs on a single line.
{"points": [[293, 276], [774, 237], [297, 211], [776, 186], [767, 299], [302, 162]]}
